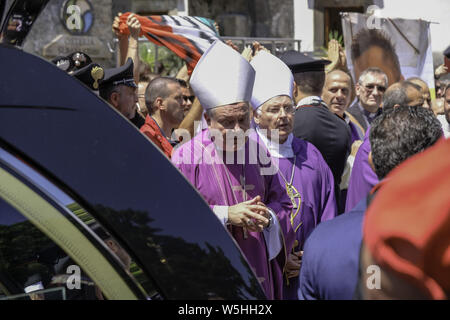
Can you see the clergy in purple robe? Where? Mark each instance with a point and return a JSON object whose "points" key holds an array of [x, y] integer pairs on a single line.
{"points": [[218, 163], [362, 178], [302, 172]]}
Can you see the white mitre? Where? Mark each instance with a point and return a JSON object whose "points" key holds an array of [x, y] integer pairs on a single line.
{"points": [[273, 78], [221, 77]]}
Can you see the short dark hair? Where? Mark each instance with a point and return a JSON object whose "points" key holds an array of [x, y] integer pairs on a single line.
{"points": [[398, 95], [183, 83], [106, 91], [157, 88], [367, 38], [311, 82], [399, 133]]}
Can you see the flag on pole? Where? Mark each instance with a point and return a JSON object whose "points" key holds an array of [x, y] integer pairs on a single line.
{"points": [[188, 37]]}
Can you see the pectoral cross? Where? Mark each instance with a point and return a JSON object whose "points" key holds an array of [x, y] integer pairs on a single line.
{"points": [[244, 188], [293, 194]]}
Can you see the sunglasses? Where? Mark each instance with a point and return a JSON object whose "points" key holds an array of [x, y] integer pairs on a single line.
{"points": [[190, 98], [371, 87], [287, 109]]}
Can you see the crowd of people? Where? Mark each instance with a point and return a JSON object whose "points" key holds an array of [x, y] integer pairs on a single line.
{"points": [[294, 157]]}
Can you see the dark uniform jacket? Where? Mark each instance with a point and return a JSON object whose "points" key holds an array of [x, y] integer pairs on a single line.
{"points": [[327, 132]]}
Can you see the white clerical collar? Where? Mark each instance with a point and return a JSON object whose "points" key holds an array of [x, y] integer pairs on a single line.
{"points": [[278, 150], [309, 100]]}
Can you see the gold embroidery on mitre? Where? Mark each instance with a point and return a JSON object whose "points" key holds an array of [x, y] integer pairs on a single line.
{"points": [[97, 73]]}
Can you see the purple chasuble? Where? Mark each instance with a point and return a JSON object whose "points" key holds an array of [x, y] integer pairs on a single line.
{"points": [[354, 132], [363, 178], [200, 163], [314, 182]]}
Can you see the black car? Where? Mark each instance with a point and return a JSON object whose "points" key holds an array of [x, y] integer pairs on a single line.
{"points": [[91, 209]]}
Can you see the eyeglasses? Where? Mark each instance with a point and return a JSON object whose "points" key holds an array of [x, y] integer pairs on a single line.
{"points": [[370, 87], [276, 110]]}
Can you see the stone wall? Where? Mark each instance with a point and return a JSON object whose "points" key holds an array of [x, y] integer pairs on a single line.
{"points": [[248, 18], [49, 38], [242, 18]]}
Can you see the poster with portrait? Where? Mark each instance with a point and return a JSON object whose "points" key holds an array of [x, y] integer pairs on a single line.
{"points": [[400, 47]]}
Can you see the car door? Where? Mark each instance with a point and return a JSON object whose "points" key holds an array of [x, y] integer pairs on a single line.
{"points": [[96, 156]]}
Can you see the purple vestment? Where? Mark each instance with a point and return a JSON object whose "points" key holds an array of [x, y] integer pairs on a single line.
{"points": [[354, 132], [202, 165], [314, 182], [363, 178]]}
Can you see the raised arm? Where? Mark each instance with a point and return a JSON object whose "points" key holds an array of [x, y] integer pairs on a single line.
{"points": [[123, 40], [133, 46]]}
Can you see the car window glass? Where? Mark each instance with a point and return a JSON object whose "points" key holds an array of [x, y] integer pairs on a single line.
{"points": [[31, 262], [11, 219]]}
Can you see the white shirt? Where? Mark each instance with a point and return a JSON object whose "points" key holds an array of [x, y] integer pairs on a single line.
{"points": [[310, 100], [277, 150], [445, 125]]}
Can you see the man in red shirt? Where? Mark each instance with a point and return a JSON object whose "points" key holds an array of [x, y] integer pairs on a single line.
{"points": [[165, 104]]}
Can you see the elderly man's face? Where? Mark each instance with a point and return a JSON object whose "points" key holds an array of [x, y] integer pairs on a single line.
{"points": [[337, 92], [124, 100], [231, 123], [447, 105], [277, 114], [370, 91]]}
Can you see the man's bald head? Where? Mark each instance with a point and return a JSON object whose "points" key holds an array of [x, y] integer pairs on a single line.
{"points": [[337, 73], [425, 90], [337, 91], [402, 93]]}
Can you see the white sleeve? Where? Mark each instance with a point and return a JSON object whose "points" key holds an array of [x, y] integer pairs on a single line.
{"points": [[221, 213], [273, 237], [345, 179]]}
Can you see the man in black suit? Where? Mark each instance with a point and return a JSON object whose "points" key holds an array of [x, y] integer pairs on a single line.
{"points": [[313, 121]]}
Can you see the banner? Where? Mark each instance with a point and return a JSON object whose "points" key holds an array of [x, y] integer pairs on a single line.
{"points": [[400, 47], [187, 37]]}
